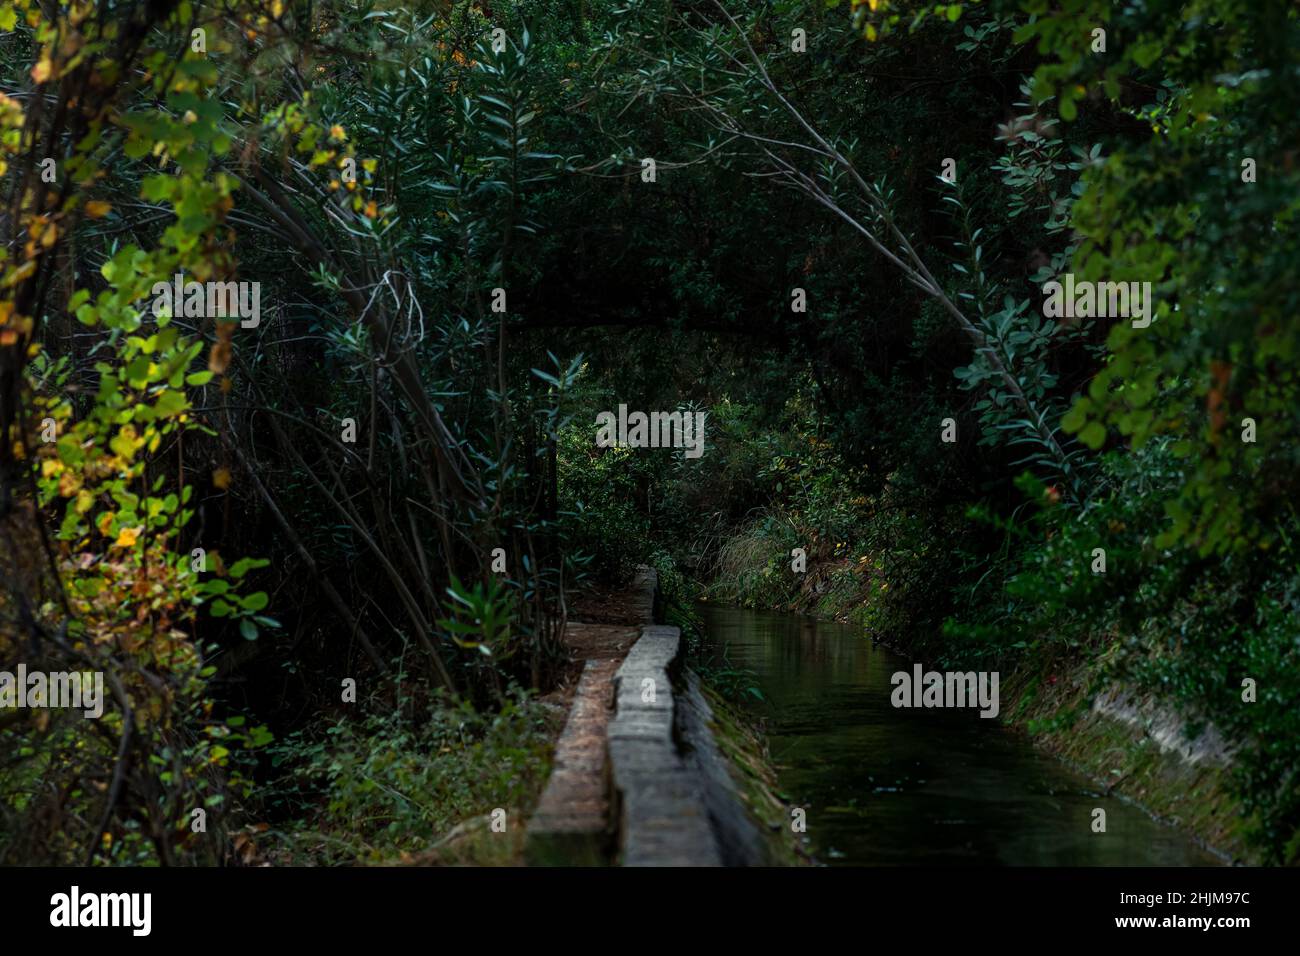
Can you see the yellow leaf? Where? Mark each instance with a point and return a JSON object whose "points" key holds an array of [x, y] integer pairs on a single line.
{"points": [[221, 478], [20, 273], [127, 537], [43, 70], [69, 482], [98, 209], [219, 357]]}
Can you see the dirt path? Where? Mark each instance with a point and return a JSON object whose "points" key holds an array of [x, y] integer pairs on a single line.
{"points": [[572, 823]]}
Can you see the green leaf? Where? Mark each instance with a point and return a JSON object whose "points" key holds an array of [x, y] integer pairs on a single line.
{"points": [[1093, 435], [256, 601], [1075, 418], [244, 565], [171, 403]]}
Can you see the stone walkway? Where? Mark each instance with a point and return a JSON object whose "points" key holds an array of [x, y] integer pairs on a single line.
{"points": [[618, 788], [664, 820], [572, 823]]}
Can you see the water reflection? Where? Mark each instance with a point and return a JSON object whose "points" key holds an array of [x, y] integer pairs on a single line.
{"points": [[892, 786]]}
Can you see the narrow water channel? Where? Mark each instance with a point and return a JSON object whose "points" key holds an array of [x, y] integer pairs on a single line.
{"points": [[886, 786]]}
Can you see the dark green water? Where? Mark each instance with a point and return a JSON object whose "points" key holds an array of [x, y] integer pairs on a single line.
{"points": [[886, 786]]}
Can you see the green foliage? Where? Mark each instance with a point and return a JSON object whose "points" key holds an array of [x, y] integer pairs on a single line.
{"points": [[388, 785], [110, 587], [1169, 205], [598, 490], [1184, 628], [384, 171]]}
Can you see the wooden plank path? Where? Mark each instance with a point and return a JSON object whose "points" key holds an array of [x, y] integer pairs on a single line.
{"points": [[619, 791]]}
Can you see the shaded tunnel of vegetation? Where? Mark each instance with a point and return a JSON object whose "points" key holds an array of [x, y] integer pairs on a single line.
{"points": [[322, 530]]}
